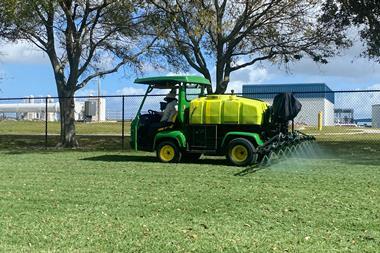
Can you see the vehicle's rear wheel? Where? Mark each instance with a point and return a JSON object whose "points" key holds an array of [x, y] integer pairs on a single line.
{"points": [[241, 152], [190, 157], [168, 152]]}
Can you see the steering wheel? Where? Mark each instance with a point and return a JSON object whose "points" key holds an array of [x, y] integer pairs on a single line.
{"points": [[152, 112]]}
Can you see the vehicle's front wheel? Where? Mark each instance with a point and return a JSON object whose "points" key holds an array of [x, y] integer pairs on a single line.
{"points": [[241, 152], [168, 152]]}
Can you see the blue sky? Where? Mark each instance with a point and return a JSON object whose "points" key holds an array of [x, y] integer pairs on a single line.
{"points": [[26, 71]]}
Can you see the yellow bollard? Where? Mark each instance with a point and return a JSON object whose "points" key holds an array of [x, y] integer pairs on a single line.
{"points": [[320, 121]]}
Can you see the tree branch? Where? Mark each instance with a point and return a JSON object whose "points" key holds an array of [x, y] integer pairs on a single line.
{"points": [[100, 73], [266, 57]]}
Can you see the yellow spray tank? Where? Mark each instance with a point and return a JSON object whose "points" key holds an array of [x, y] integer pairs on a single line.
{"points": [[227, 109]]}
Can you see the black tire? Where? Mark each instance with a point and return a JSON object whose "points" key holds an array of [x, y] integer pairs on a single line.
{"points": [[168, 152], [190, 157], [241, 152]]}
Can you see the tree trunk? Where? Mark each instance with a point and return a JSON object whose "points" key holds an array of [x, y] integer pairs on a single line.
{"points": [[222, 80], [223, 72], [219, 78], [221, 87], [67, 110], [206, 74]]}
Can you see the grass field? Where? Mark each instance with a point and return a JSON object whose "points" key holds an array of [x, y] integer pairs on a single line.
{"points": [[107, 135], [30, 134], [112, 201], [38, 128]]}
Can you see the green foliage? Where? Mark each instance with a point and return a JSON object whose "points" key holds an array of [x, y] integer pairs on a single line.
{"points": [[84, 39], [78, 35], [5, 7], [237, 34], [364, 15]]}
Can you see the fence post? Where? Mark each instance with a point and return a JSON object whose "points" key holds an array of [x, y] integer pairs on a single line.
{"points": [[122, 124], [46, 122], [320, 121]]}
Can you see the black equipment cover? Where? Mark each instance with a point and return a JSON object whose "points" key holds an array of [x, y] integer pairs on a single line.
{"points": [[285, 107]]}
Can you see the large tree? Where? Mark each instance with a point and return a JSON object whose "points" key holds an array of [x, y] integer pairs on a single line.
{"points": [[84, 39], [364, 15], [235, 34], [3, 13]]}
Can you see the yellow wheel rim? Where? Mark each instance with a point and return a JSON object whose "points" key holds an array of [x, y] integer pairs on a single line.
{"points": [[167, 153], [239, 153]]}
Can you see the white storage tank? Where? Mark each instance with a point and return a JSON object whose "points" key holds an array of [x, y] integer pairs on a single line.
{"points": [[376, 115]]}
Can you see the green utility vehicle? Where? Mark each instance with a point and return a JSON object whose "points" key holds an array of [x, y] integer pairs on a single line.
{"points": [[242, 129]]}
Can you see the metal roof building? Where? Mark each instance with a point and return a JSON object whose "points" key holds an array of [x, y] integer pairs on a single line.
{"points": [[301, 90], [314, 97]]}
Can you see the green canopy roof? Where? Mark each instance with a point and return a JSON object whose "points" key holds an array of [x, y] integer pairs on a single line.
{"points": [[172, 80]]}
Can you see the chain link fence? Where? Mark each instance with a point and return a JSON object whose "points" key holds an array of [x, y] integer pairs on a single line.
{"points": [[104, 122]]}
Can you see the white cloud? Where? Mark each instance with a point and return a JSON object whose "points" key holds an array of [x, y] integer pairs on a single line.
{"points": [[348, 66], [180, 74], [248, 75], [347, 71], [22, 53], [86, 92], [106, 62], [131, 91], [374, 87], [134, 91], [342, 67], [148, 67]]}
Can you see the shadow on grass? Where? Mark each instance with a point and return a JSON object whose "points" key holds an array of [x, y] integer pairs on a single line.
{"points": [[121, 158], [26, 143], [251, 169], [44, 151], [149, 159]]}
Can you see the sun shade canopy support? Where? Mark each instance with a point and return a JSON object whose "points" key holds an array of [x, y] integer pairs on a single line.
{"points": [[165, 82]]}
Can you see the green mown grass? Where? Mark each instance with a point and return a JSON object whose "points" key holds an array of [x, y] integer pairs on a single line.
{"points": [[107, 135], [331, 129], [86, 142], [30, 135], [114, 128], [38, 128], [111, 201]]}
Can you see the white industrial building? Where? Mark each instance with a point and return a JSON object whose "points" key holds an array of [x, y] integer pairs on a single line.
{"points": [[314, 97], [35, 109], [344, 116]]}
